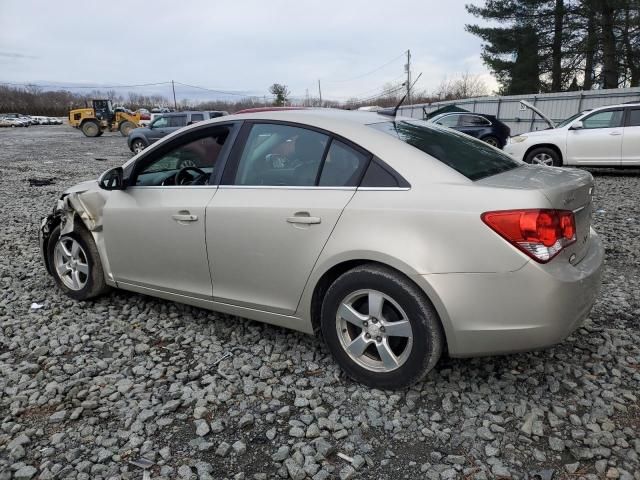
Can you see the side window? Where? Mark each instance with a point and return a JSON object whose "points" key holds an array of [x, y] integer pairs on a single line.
{"points": [[606, 119], [281, 155], [343, 166], [198, 158], [377, 176], [634, 118], [178, 121], [449, 121], [197, 117], [161, 122], [473, 121]]}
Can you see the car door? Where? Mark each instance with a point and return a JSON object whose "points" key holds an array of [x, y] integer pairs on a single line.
{"points": [[158, 129], [631, 138], [154, 230], [282, 193], [599, 141], [472, 124]]}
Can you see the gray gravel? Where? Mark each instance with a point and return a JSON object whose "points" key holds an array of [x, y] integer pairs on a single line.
{"points": [[107, 389]]}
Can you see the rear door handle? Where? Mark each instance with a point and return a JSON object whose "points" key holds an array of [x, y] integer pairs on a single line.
{"points": [[184, 217], [303, 219]]}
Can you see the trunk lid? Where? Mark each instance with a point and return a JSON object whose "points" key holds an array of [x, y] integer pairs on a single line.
{"points": [[565, 189]]}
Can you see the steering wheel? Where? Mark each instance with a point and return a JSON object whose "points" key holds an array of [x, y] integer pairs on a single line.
{"points": [[181, 177]]}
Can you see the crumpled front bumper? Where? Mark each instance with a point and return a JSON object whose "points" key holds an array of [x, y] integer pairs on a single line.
{"points": [[47, 225]]}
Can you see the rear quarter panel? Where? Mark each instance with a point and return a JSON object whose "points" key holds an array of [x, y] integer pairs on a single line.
{"points": [[427, 230]]}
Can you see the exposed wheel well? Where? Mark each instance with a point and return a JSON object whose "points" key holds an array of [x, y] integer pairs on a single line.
{"points": [[544, 145], [332, 274]]}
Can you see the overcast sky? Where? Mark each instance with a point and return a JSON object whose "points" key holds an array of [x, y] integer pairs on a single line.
{"points": [[241, 45]]}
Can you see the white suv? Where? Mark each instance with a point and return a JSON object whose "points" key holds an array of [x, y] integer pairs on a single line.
{"points": [[605, 136]]}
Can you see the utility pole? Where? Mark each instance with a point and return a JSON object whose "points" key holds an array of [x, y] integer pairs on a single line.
{"points": [[407, 68], [320, 92], [175, 104]]}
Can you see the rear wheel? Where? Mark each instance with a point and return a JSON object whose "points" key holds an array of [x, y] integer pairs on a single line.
{"points": [[493, 141], [380, 327], [91, 128], [544, 156], [138, 145], [76, 265], [126, 127]]}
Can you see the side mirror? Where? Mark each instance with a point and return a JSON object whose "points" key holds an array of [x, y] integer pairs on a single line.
{"points": [[578, 125], [112, 179]]}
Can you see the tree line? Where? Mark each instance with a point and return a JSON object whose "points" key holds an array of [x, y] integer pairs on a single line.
{"points": [[560, 45], [33, 100]]}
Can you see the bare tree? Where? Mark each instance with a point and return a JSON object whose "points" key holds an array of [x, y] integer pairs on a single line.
{"points": [[466, 86]]}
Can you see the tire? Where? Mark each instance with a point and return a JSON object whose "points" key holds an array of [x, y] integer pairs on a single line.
{"points": [[405, 310], [138, 145], [493, 141], [126, 127], [87, 285], [100, 133], [544, 156], [91, 128]]}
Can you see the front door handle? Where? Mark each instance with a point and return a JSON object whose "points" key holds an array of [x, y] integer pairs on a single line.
{"points": [[615, 133], [184, 217], [303, 219]]}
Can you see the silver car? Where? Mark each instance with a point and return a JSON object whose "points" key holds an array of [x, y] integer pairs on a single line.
{"points": [[393, 239]]}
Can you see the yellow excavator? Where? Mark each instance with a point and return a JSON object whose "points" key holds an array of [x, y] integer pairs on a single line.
{"points": [[101, 117]]}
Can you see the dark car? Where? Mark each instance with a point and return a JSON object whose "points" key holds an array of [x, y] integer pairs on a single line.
{"points": [[485, 127], [141, 138]]}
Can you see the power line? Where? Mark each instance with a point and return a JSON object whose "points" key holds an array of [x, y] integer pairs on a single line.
{"points": [[219, 91], [371, 71], [97, 87]]}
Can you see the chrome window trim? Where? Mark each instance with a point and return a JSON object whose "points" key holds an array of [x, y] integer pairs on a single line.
{"points": [[395, 189], [176, 187], [284, 187]]}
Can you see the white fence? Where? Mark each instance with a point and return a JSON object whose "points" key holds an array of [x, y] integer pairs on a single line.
{"points": [[557, 106]]}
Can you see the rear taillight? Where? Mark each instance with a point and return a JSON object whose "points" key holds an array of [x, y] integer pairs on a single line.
{"points": [[540, 233]]}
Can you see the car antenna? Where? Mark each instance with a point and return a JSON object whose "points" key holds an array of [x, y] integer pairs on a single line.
{"points": [[395, 110]]}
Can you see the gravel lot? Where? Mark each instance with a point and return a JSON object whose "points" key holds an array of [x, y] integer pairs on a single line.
{"points": [[89, 389]]}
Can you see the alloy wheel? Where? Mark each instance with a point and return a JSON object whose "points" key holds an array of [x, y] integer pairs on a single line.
{"points": [[71, 263], [542, 159], [374, 330]]}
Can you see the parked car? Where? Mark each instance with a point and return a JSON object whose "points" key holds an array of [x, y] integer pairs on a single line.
{"points": [[353, 224], [162, 125], [603, 137], [16, 122], [19, 119], [485, 127], [4, 122]]}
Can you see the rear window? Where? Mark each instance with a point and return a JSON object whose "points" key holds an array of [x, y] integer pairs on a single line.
{"points": [[472, 158]]}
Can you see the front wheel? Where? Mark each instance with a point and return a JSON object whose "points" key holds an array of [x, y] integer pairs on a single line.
{"points": [[75, 264], [381, 328], [138, 145], [544, 156]]}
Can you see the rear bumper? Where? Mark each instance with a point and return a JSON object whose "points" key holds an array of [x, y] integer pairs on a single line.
{"points": [[531, 308]]}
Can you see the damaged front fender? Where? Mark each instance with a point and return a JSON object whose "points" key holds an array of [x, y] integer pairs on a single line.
{"points": [[84, 204]]}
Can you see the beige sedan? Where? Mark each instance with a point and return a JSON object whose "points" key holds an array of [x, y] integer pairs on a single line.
{"points": [[394, 239]]}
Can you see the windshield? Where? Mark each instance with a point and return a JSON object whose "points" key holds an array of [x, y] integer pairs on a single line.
{"points": [[569, 120], [472, 158]]}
